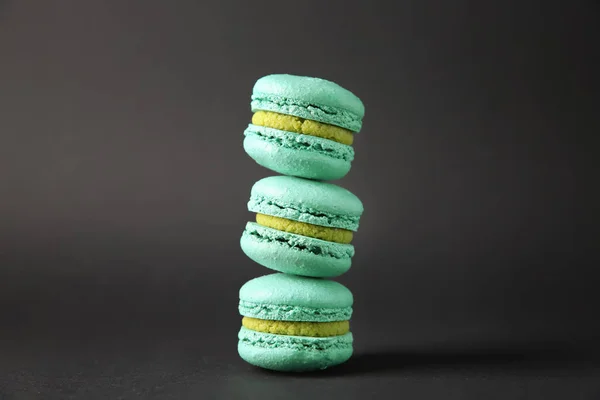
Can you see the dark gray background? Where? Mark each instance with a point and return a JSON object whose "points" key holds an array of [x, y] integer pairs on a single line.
{"points": [[123, 190]]}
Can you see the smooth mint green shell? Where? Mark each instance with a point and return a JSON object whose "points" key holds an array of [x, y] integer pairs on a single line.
{"points": [[304, 200], [283, 297], [310, 98], [293, 353], [290, 153], [295, 254]]}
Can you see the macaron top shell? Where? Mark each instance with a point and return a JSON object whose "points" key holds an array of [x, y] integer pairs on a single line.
{"points": [[295, 94], [292, 290], [304, 200]]}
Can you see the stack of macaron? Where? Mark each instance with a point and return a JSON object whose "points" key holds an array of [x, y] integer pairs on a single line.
{"points": [[297, 318]]}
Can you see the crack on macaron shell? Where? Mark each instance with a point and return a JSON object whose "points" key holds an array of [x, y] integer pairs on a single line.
{"points": [[326, 114], [304, 343], [262, 205], [298, 141], [299, 243], [293, 313]]}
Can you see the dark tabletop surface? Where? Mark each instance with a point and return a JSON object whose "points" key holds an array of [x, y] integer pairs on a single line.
{"points": [[190, 369], [166, 338]]}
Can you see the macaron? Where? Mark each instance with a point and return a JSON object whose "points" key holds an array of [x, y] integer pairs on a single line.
{"points": [[295, 323], [303, 126], [303, 227]]}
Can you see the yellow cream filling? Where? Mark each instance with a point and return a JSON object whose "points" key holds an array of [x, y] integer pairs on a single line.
{"points": [[297, 328], [336, 235], [295, 124]]}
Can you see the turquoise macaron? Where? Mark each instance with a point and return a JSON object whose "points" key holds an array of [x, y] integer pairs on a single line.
{"points": [[303, 126], [303, 227], [293, 323]]}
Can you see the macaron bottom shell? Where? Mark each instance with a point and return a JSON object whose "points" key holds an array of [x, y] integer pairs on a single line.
{"points": [[293, 353], [294, 254], [298, 155]]}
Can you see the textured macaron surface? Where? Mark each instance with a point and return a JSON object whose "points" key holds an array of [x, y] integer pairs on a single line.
{"points": [[304, 200], [278, 312], [283, 297], [294, 290], [299, 155], [295, 254], [298, 243], [310, 98], [301, 143], [293, 353], [302, 343]]}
